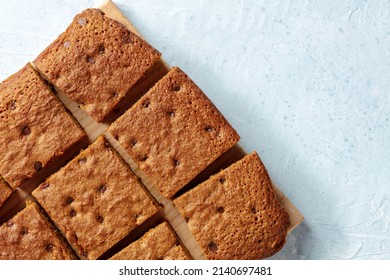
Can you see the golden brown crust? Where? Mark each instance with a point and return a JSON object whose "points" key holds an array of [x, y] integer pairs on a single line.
{"points": [[174, 132], [5, 191], [235, 214], [35, 129], [96, 61], [159, 243], [95, 200], [29, 236]]}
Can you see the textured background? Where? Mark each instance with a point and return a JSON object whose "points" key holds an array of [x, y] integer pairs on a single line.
{"points": [[305, 83]]}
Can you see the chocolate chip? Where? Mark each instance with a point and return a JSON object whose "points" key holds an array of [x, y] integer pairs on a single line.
{"points": [[175, 88], [24, 231], [12, 105], [212, 246], [176, 162], [171, 113], [253, 210], [90, 60], [126, 38], [222, 180], [101, 49], [143, 158], [72, 213], [208, 129], [45, 185], [133, 142], [84, 253], [10, 223], [102, 188], [37, 165], [49, 247], [26, 130], [220, 210], [146, 104], [69, 200], [187, 219], [100, 219]]}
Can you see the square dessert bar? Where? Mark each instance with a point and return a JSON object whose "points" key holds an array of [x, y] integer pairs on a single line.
{"points": [[5, 191], [173, 132], [35, 128], [159, 243], [95, 200], [235, 214], [30, 236], [96, 61]]}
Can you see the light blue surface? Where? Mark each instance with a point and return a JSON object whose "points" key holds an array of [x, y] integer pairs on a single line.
{"points": [[305, 83]]}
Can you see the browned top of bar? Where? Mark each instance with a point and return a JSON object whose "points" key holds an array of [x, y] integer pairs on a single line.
{"points": [[34, 127], [174, 132], [159, 243], [95, 200], [29, 236], [96, 61], [235, 214]]}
